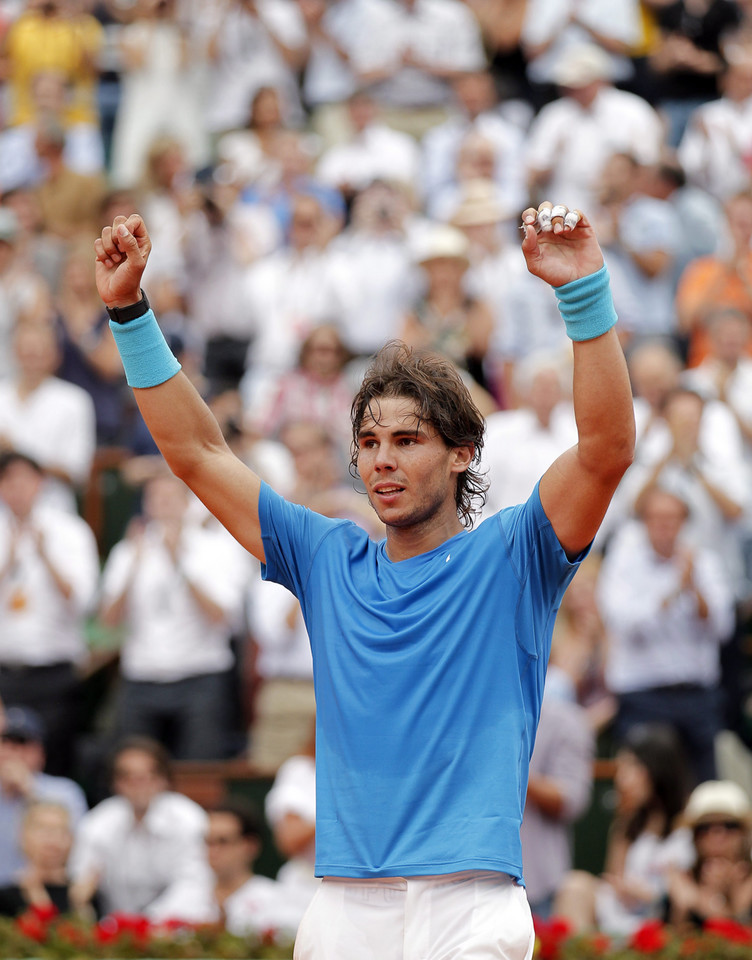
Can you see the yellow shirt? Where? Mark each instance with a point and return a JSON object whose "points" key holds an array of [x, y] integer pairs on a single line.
{"points": [[68, 47]]}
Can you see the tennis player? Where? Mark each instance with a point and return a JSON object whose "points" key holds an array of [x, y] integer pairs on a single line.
{"points": [[430, 647]]}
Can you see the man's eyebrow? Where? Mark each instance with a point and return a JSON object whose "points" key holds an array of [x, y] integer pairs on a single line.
{"points": [[415, 431]]}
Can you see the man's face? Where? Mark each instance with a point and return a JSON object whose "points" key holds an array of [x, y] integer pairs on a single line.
{"points": [[137, 778], [19, 487], [409, 473], [228, 851], [664, 516]]}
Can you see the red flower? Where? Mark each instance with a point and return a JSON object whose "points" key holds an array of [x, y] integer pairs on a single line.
{"points": [[32, 927], [728, 929], [650, 938], [44, 912], [551, 934], [600, 943]]}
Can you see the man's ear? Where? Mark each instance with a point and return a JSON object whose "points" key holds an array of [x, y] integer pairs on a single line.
{"points": [[463, 457]]}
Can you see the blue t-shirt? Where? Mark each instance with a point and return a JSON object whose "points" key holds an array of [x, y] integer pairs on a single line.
{"points": [[429, 677]]}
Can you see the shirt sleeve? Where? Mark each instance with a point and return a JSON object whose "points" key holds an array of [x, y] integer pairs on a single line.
{"points": [[291, 535]]}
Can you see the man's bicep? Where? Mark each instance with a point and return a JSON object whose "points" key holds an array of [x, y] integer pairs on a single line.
{"points": [[230, 491], [575, 501]]}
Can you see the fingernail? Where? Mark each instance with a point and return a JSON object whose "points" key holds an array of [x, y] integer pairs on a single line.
{"points": [[122, 230]]}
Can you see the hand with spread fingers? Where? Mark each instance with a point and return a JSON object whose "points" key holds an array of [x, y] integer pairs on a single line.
{"points": [[559, 244]]}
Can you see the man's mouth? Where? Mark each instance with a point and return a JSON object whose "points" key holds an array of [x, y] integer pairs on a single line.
{"points": [[388, 490]]}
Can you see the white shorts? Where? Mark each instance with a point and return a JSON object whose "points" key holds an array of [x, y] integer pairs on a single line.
{"points": [[474, 915]]}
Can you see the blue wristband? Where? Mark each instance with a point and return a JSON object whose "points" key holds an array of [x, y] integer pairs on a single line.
{"points": [[147, 359], [586, 305]]}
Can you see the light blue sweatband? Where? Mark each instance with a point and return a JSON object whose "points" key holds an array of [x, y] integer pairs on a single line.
{"points": [[586, 305], [147, 360]]}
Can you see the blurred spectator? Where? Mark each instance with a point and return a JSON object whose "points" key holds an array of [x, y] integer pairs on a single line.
{"points": [[373, 277], [49, 569], [23, 292], [540, 427], [252, 44], [159, 95], [641, 236], [688, 60], [143, 847], [719, 883], [424, 45], [716, 147], [726, 372], [580, 645], [446, 319], [317, 391], [173, 585], [501, 24], [695, 449], [69, 202], [552, 28], [45, 417], [526, 319], [589, 122], [250, 152], [290, 807], [233, 896], [37, 252], [643, 846], [340, 50], [53, 37], [717, 280], [288, 292], [21, 165], [284, 704], [167, 194], [668, 608], [371, 152], [223, 237], [700, 215], [558, 793], [23, 783], [88, 356], [46, 838], [476, 109]]}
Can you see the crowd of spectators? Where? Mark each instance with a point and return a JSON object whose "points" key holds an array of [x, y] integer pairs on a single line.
{"points": [[319, 177]]}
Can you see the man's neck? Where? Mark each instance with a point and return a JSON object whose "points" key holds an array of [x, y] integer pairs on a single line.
{"points": [[402, 543], [227, 885]]}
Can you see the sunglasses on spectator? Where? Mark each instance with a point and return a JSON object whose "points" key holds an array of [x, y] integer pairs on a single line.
{"points": [[728, 825]]}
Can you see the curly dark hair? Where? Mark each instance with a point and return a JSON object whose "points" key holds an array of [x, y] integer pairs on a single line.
{"points": [[442, 400]]}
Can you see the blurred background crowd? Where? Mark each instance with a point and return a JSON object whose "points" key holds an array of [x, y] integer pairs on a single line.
{"points": [[320, 177]]}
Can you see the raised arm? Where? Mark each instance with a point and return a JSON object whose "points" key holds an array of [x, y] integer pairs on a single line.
{"points": [[577, 489], [182, 425]]}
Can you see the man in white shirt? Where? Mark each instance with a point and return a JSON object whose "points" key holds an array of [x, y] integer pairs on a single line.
{"points": [[177, 589], [668, 608], [476, 110], [231, 894], [572, 137], [49, 570], [46, 418], [423, 46], [143, 848], [716, 146], [373, 152], [551, 28]]}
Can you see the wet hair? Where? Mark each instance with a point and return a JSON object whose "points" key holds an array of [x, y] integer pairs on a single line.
{"points": [[659, 749], [442, 400]]}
